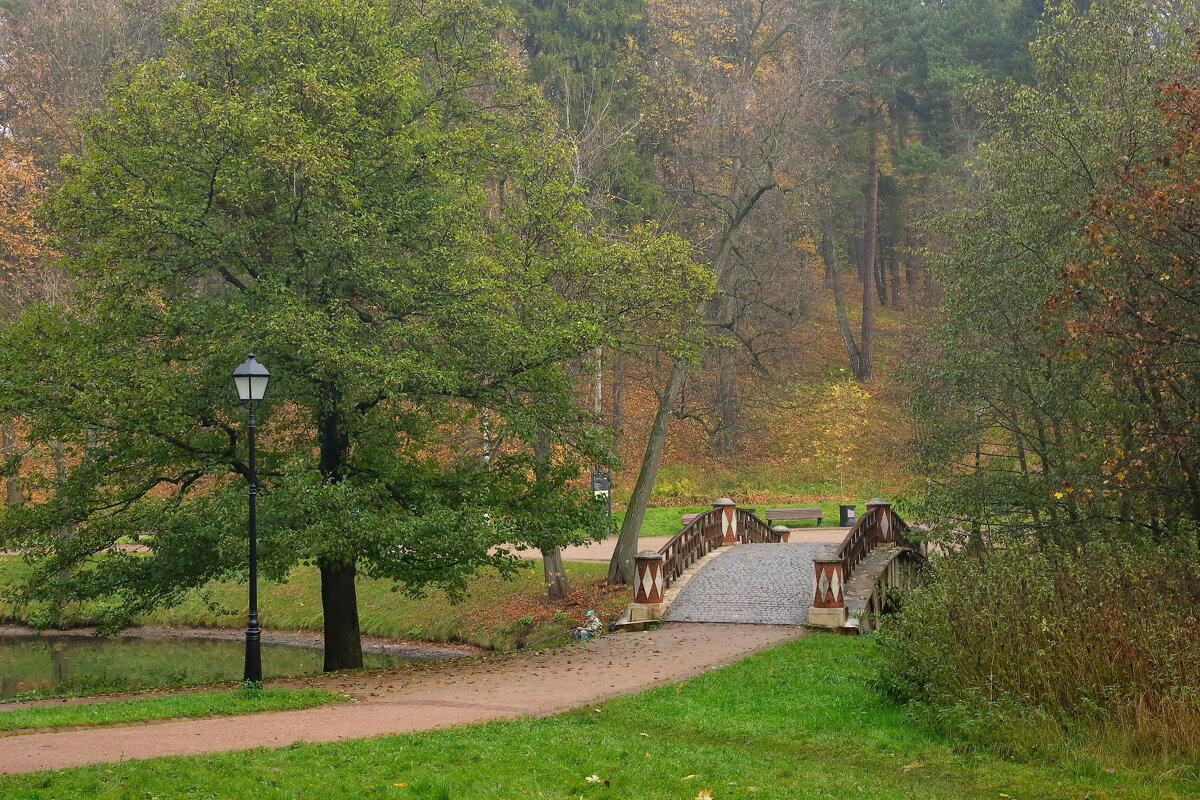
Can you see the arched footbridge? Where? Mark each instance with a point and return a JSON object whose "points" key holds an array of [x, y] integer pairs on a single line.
{"points": [[727, 565]]}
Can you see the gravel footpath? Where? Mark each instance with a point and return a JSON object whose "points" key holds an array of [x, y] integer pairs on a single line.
{"points": [[424, 696]]}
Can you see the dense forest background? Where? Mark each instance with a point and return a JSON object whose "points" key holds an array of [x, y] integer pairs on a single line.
{"points": [[796, 146]]}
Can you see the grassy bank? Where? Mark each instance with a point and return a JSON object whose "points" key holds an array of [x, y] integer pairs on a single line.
{"points": [[496, 613], [143, 709], [798, 722]]}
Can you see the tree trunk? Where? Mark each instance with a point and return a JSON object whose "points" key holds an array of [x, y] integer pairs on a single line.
{"points": [[621, 568], [555, 575], [552, 565], [485, 431], [598, 384], [867, 336], [829, 256], [339, 601], [618, 398], [339, 604], [881, 284], [894, 279], [726, 402], [67, 532], [13, 494]]}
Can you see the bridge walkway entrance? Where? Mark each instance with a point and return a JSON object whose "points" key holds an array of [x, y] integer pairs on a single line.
{"points": [[765, 584], [727, 565]]}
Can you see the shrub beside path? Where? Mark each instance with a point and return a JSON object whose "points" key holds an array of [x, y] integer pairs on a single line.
{"points": [[423, 697]]}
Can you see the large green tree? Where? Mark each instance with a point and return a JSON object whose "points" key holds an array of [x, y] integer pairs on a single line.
{"points": [[370, 196], [1021, 432]]}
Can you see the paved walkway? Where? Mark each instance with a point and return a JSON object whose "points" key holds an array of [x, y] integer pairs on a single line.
{"points": [[764, 584], [422, 697]]}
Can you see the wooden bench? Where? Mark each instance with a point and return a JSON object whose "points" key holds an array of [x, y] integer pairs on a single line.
{"points": [[777, 514]]}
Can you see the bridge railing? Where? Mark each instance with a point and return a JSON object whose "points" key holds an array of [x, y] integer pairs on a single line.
{"points": [[691, 544], [752, 530], [655, 571], [879, 525]]}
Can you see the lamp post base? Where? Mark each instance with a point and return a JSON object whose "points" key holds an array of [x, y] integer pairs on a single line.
{"points": [[253, 671]]}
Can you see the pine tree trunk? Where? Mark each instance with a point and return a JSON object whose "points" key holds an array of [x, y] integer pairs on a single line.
{"points": [[881, 284], [621, 568], [829, 256], [339, 604], [867, 336]]}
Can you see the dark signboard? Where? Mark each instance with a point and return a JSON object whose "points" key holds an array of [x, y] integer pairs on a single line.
{"points": [[602, 488]]}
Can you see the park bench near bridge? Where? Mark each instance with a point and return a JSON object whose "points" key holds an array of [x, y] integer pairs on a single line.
{"points": [[780, 514]]}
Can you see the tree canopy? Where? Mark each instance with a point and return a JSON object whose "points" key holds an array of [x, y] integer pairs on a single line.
{"points": [[371, 197]]}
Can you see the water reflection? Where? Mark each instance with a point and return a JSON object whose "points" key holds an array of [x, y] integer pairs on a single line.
{"points": [[74, 663]]}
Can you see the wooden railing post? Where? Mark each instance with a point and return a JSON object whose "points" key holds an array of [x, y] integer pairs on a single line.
{"points": [[829, 606], [729, 529], [649, 591], [885, 528], [782, 531]]}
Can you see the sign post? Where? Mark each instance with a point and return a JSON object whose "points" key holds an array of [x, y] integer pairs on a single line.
{"points": [[602, 490]]}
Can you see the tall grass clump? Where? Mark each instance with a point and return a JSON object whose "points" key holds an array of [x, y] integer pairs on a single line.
{"points": [[1033, 649]]}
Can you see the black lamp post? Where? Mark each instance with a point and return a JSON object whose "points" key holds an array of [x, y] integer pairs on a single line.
{"points": [[251, 382]]}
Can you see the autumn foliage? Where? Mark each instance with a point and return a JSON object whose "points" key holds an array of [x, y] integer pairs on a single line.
{"points": [[1133, 310]]}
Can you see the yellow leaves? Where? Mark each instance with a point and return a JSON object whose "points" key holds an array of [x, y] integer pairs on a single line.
{"points": [[704, 795]]}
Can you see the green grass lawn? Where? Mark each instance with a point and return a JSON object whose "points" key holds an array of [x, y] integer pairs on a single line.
{"points": [[798, 722], [141, 709]]}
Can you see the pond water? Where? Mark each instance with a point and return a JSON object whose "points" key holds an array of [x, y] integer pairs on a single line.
{"points": [[75, 663]]}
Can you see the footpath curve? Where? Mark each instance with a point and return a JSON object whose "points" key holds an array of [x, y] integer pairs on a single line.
{"points": [[423, 697]]}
